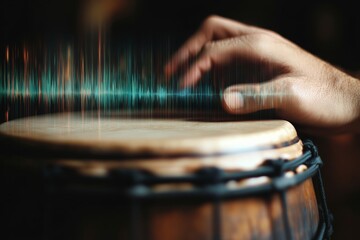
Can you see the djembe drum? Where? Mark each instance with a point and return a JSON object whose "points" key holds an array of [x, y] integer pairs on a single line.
{"points": [[80, 176]]}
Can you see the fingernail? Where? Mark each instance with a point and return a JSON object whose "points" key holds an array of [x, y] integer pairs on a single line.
{"points": [[234, 100]]}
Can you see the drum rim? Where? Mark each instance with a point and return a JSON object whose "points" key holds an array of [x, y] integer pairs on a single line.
{"points": [[275, 169], [283, 134]]}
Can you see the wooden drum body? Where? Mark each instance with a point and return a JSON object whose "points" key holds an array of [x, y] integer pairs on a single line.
{"points": [[78, 176]]}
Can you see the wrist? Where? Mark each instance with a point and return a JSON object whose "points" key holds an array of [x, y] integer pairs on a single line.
{"points": [[349, 88]]}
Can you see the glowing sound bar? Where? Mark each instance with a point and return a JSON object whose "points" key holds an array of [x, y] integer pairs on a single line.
{"points": [[61, 78]]}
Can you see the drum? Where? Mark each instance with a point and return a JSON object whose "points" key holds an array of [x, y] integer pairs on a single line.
{"points": [[123, 176]]}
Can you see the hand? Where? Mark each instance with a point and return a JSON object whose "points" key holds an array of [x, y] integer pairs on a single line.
{"points": [[299, 86]]}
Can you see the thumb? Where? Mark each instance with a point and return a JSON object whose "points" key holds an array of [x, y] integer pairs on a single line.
{"points": [[248, 98]]}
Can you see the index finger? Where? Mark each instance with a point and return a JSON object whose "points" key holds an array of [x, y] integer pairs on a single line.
{"points": [[213, 28]]}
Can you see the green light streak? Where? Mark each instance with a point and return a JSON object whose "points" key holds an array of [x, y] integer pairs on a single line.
{"points": [[59, 76]]}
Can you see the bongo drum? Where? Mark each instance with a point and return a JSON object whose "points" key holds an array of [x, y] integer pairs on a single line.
{"points": [[84, 176]]}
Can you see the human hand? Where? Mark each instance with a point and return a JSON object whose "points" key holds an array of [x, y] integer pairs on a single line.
{"points": [[299, 86]]}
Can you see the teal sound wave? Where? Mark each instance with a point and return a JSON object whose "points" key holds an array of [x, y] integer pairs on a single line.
{"points": [[66, 78]]}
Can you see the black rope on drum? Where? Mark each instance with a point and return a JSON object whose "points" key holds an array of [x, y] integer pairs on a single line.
{"points": [[216, 219], [209, 186], [327, 216], [134, 179], [286, 221], [326, 229], [279, 172], [136, 220], [212, 179]]}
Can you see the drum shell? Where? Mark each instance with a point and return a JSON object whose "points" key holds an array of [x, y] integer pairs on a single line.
{"points": [[31, 204], [36, 207]]}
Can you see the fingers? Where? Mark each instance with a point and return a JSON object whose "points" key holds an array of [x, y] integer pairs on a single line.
{"points": [[191, 48], [219, 53], [216, 53], [213, 28], [249, 98], [198, 69]]}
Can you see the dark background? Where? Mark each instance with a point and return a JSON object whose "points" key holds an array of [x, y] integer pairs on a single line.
{"points": [[328, 29]]}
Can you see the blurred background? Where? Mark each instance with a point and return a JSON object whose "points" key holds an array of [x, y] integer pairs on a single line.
{"points": [[328, 29]]}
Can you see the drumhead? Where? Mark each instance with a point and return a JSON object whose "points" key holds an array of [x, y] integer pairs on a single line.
{"points": [[127, 135], [173, 144]]}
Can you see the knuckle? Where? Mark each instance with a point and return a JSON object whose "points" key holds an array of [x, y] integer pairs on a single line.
{"points": [[210, 20], [191, 52], [205, 65], [287, 86], [260, 38], [271, 33], [208, 47], [260, 42], [290, 88]]}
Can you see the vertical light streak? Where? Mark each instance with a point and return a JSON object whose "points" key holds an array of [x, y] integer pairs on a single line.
{"points": [[26, 80], [7, 54], [99, 70], [60, 78]]}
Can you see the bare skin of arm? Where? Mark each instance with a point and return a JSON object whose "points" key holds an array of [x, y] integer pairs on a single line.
{"points": [[300, 87]]}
